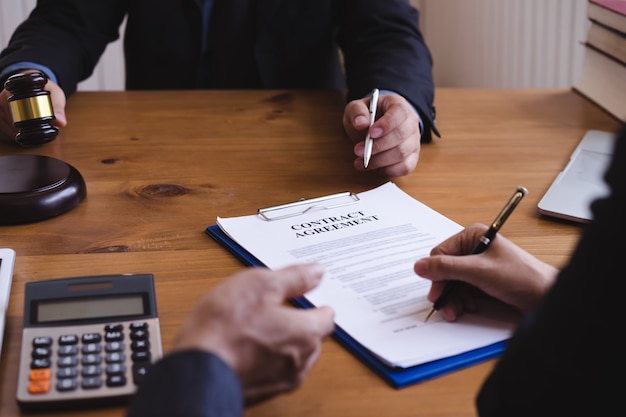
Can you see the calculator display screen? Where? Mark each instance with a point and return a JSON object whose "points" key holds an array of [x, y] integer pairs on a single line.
{"points": [[48, 311]]}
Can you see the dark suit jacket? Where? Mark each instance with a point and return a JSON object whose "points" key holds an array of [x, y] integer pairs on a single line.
{"points": [[273, 44], [189, 384], [568, 358]]}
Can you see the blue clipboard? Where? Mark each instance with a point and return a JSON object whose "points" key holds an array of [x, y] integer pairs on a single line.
{"points": [[396, 377]]}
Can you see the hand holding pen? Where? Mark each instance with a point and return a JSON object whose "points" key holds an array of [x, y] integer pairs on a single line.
{"points": [[393, 123], [482, 245]]}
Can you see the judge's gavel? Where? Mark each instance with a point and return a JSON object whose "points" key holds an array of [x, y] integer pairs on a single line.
{"points": [[31, 108]]}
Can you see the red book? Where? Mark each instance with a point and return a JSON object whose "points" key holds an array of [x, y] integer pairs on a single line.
{"points": [[610, 13]]}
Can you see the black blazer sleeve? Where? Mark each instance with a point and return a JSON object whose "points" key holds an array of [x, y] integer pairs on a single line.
{"points": [[383, 47], [568, 357], [188, 384], [66, 36]]}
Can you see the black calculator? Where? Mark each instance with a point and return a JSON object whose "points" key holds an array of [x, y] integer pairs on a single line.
{"points": [[87, 341]]}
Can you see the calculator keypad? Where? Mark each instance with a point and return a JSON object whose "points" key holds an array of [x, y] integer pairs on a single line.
{"points": [[82, 361]]}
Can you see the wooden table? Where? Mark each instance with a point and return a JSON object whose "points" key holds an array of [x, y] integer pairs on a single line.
{"points": [[160, 166]]}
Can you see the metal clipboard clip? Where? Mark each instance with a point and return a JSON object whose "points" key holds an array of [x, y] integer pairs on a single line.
{"points": [[304, 206]]}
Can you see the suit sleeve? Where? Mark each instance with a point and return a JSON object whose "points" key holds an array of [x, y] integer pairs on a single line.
{"points": [[567, 357], [383, 47], [188, 384], [67, 36]]}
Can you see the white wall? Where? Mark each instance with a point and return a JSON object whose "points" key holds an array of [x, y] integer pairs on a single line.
{"points": [[505, 43], [474, 43]]}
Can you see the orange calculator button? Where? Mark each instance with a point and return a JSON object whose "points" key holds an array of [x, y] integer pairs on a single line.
{"points": [[39, 374], [39, 381], [38, 387]]}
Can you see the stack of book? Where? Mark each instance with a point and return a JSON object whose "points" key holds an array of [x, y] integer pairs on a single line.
{"points": [[603, 79]]}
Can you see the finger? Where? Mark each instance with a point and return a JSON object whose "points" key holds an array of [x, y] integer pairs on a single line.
{"points": [[397, 138], [399, 169], [308, 364], [59, 117], [436, 288], [390, 116], [57, 97], [296, 280], [397, 121], [361, 122], [439, 268], [451, 312], [356, 120], [448, 314], [321, 320], [7, 130], [309, 325]]}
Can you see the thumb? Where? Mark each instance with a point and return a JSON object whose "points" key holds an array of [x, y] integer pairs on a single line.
{"points": [[296, 280], [324, 317], [60, 119], [57, 97], [445, 268]]}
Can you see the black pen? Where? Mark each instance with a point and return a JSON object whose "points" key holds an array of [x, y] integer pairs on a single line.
{"points": [[482, 245]]}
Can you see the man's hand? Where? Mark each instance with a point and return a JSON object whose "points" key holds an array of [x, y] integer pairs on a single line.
{"points": [[8, 130], [505, 272], [245, 321], [396, 134]]}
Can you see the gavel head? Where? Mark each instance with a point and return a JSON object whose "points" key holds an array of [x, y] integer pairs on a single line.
{"points": [[31, 108]]}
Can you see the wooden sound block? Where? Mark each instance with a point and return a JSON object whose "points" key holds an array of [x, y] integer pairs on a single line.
{"points": [[35, 187]]}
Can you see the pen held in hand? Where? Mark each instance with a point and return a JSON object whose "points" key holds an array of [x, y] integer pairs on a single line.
{"points": [[368, 139], [482, 245]]}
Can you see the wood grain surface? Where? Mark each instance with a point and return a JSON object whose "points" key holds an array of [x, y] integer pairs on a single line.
{"points": [[160, 166]]}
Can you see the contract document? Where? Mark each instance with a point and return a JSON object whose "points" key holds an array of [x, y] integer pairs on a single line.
{"points": [[368, 245]]}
